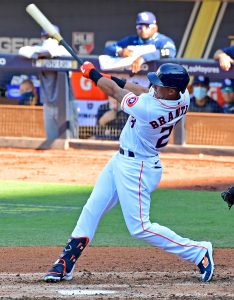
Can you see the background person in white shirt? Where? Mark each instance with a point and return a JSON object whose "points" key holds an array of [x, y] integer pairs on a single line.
{"points": [[49, 84]]}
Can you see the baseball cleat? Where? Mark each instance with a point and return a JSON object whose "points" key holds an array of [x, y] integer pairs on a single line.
{"points": [[63, 268], [206, 265], [58, 272]]}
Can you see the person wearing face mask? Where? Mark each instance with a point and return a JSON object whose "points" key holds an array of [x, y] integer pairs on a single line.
{"points": [[28, 93], [148, 42], [228, 95], [200, 101]]}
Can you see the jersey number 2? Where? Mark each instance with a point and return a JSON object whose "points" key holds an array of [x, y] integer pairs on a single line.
{"points": [[163, 140]]}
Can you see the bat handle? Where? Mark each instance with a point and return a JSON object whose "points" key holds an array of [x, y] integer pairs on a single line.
{"points": [[71, 51]]}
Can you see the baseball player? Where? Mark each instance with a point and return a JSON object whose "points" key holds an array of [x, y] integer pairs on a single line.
{"points": [[135, 170], [146, 34]]}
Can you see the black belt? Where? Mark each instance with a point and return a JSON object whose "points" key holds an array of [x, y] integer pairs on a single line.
{"points": [[127, 152]]}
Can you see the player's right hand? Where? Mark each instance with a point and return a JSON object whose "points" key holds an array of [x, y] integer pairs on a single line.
{"points": [[136, 65], [86, 68]]}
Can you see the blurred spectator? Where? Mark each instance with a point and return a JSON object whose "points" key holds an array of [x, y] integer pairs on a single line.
{"points": [[108, 112], [228, 95], [49, 84], [3, 91], [110, 120], [200, 101], [28, 93], [154, 45], [225, 56]]}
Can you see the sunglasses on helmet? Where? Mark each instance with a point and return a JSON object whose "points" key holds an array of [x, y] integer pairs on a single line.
{"points": [[144, 26]]}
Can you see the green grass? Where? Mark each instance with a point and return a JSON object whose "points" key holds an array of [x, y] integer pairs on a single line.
{"points": [[45, 214]]}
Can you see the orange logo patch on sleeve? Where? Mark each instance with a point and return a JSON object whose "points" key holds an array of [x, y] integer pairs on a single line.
{"points": [[132, 100]]}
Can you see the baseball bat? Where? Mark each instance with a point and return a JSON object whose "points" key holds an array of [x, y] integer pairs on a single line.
{"points": [[41, 19]]}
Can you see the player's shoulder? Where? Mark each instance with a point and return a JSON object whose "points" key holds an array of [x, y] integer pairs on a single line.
{"points": [[164, 37], [138, 102], [146, 97], [163, 41], [186, 93], [186, 97], [131, 98]]}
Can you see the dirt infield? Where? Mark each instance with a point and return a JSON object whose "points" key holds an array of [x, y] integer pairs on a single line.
{"points": [[107, 272]]}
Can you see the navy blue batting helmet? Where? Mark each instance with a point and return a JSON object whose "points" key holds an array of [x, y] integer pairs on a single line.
{"points": [[170, 75]]}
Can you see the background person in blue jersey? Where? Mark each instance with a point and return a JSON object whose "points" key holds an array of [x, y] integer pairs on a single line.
{"points": [[147, 34]]}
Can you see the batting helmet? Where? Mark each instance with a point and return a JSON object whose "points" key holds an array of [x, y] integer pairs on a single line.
{"points": [[170, 75]]}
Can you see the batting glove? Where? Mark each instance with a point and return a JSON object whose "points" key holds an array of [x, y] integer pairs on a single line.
{"points": [[86, 68]]}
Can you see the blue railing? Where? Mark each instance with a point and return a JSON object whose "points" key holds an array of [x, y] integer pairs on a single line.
{"points": [[208, 67]]}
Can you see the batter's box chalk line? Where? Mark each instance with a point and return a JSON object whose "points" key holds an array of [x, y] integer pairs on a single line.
{"points": [[85, 292]]}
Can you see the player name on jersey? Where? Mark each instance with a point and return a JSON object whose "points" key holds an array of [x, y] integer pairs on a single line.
{"points": [[182, 110]]}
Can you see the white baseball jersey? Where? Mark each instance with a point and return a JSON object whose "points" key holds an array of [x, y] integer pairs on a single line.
{"points": [[151, 122]]}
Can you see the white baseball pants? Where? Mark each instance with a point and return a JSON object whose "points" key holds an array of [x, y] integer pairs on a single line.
{"points": [[130, 180]]}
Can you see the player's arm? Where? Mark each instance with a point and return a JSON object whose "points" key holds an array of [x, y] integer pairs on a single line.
{"points": [[129, 86], [113, 86], [119, 49], [129, 100], [115, 89], [109, 87], [135, 88]]}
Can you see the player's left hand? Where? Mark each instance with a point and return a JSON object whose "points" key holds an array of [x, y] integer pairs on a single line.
{"points": [[136, 65], [86, 68], [225, 62]]}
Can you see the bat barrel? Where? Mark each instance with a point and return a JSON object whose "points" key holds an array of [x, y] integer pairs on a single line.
{"points": [[41, 19]]}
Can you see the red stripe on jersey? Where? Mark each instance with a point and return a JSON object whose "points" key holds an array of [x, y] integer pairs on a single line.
{"points": [[142, 222]]}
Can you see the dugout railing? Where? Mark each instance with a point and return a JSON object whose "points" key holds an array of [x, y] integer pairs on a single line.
{"points": [[27, 121]]}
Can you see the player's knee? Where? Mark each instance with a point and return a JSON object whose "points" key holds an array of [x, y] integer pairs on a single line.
{"points": [[137, 234], [139, 231]]}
